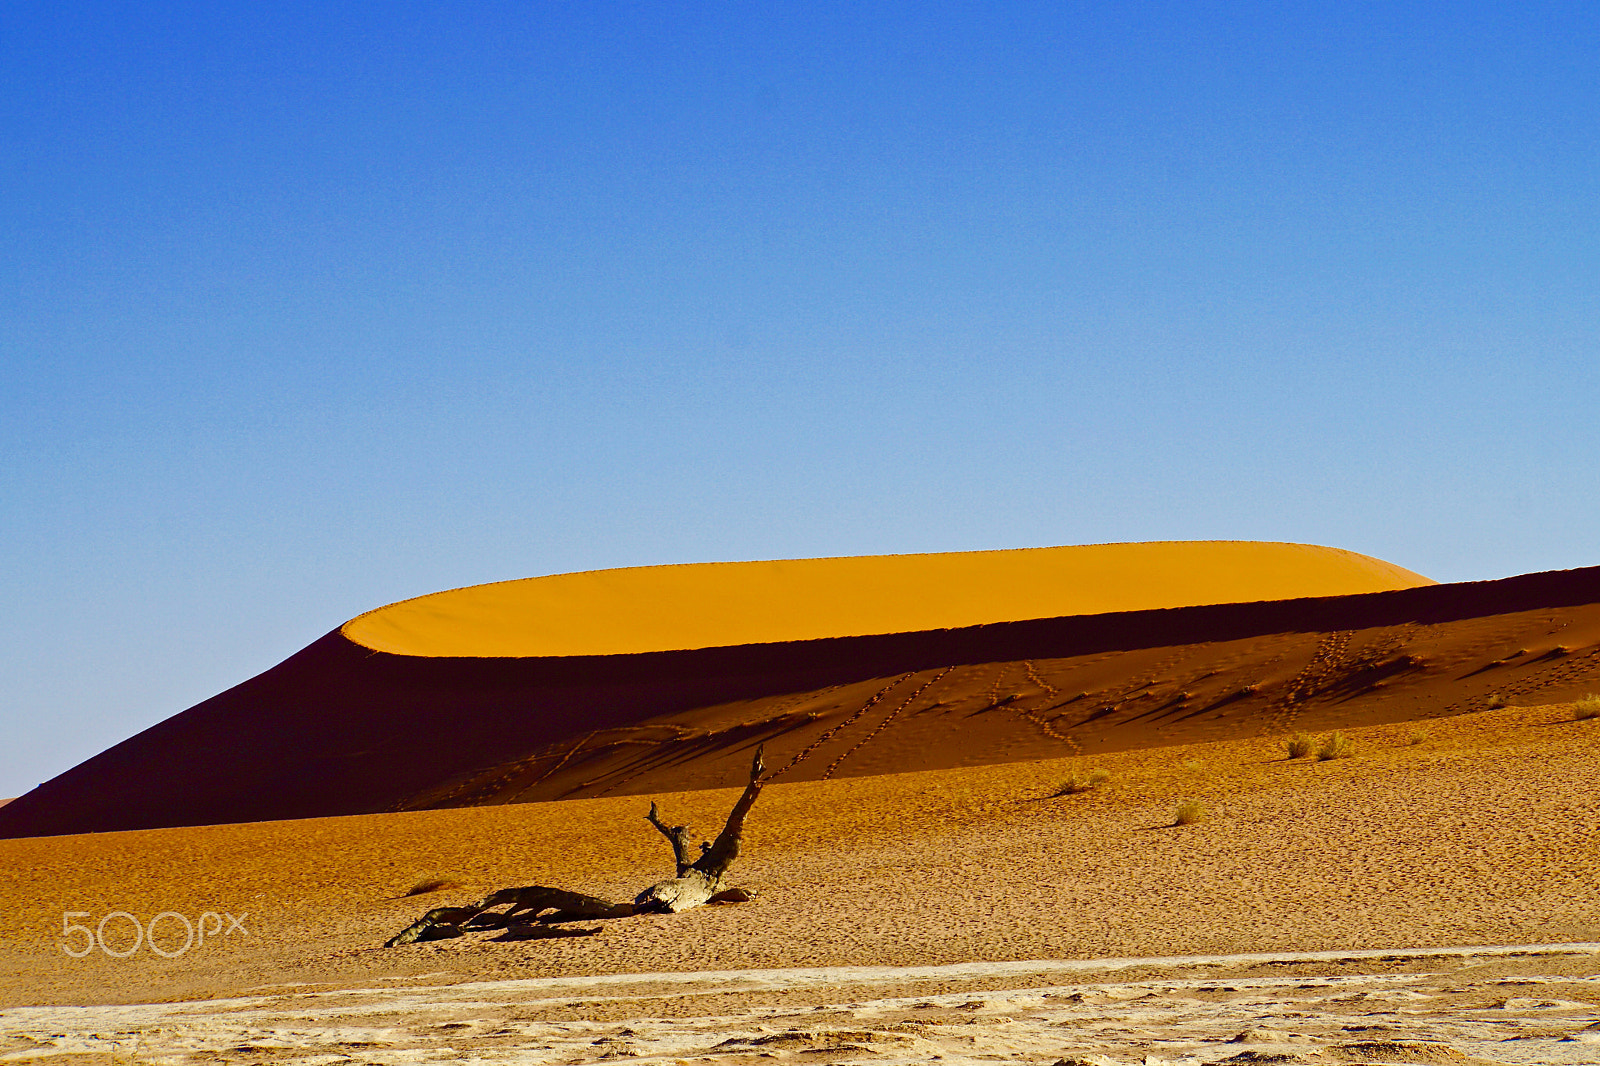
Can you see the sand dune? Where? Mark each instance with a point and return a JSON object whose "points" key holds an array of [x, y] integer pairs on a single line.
{"points": [[343, 729], [709, 605]]}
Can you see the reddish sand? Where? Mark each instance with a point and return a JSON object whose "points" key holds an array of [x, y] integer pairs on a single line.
{"points": [[1480, 828], [342, 729]]}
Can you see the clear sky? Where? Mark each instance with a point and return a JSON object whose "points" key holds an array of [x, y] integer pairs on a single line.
{"points": [[306, 308]]}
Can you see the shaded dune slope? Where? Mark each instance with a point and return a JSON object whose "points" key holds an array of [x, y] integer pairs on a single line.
{"points": [[342, 729]]}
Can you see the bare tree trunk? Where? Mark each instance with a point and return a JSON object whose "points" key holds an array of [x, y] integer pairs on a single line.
{"points": [[699, 881]]}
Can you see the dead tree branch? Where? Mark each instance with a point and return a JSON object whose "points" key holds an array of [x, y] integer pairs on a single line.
{"points": [[697, 881], [677, 834]]}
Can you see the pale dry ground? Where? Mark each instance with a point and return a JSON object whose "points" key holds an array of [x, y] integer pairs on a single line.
{"points": [[709, 605], [1484, 832], [1448, 1006]]}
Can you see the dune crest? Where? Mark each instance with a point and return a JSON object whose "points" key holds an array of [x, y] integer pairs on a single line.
{"points": [[710, 605]]}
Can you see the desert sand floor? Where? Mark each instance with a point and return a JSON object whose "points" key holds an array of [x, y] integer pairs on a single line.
{"points": [[1474, 830]]}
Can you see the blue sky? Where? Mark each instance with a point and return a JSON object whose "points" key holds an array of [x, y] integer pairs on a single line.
{"points": [[309, 308]]}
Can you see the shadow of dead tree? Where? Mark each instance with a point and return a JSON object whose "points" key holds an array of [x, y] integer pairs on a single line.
{"points": [[697, 881]]}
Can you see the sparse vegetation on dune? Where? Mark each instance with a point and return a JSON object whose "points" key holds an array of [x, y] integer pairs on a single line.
{"points": [[1334, 746], [1415, 737], [1189, 812], [1298, 746], [1497, 701], [431, 884], [1586, 708], [1079, 783]]}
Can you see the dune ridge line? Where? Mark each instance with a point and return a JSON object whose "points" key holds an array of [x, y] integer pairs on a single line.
{"points": [[726, 604]]}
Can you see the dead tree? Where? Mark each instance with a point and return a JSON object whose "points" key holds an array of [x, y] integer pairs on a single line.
{"points": [[697, 880]]}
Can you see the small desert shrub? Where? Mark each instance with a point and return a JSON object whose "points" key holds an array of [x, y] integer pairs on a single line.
{"points": [[1415, 737], [1586, 708], [1334, 746], [1298, 746], [1075, 784], [1497, 701], [1189, 812], [431, 884]]}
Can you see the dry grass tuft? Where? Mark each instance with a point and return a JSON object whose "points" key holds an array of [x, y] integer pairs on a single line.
{"points": [[1189, 812], [1497, 701], [1415, 737], [431, 884], [1298, 746], [1075, 784], [1334, 746], [1586, 708]]}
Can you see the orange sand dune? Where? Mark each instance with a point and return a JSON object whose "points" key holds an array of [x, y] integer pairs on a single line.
{"points": [[342, 728], [710, 605]]}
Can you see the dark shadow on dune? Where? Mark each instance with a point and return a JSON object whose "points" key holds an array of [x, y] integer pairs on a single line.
{"points": [[340, 729]]}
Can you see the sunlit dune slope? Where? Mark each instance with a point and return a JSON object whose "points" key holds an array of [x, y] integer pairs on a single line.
{"points": [[710, 605]]}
